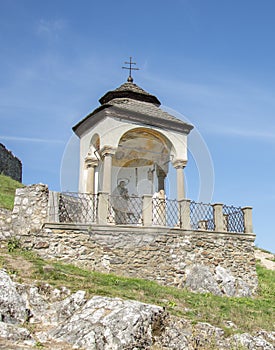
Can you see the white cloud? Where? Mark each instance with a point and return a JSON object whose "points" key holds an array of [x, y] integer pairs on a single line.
{"points": [[51, 28], [29, 139], [253, 134]]}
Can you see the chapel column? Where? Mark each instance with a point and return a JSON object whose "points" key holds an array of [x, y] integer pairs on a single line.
{"points": [[161, 174], [107, 154], [91, 164], [179, 165]]}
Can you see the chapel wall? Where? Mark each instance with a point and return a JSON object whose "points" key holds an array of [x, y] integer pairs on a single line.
{"points": [[9, 164]]}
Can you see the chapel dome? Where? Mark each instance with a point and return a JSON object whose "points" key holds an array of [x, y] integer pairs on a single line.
{"points": [[131, 91]]}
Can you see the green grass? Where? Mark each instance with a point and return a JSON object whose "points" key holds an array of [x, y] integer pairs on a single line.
{"points": [[247, 313], [7, 191]]}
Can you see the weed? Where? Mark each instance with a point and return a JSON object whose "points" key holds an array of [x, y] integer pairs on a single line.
{"points": [[13, 244], [39, 345]]}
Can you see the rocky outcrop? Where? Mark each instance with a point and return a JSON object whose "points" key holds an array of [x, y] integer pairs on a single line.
{"points": [[12, 305], [57, 319], [111, 323], [221, 282]]}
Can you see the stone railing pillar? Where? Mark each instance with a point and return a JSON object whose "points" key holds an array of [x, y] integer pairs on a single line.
{"points": [[147, 210], [185, 214], [248, 225], [218, 217], [102, 212]]}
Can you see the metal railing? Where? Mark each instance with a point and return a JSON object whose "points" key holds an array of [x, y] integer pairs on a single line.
{"points": [[201, 216], [70, 207], [165, 212], [77, 207], [233, 219], [124, 211]]}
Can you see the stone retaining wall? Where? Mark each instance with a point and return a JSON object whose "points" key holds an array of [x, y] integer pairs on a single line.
{"points": [[9, 164], [6, 230], [30, 209], [222, 263], [207, 262]]}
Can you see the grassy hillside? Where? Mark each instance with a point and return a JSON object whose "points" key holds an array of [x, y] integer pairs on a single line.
{"points": [[248, 314], [7, 191]]}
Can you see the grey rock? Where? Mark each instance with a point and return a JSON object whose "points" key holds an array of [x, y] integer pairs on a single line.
{"points": [[175, 335], [62, 310], [243, 289], [111, 324], [12, 305], [13, 332], [251, 342], [200, 279], [35, 302], [226, 281]]}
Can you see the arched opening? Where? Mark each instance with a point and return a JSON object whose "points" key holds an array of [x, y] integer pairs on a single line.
{"points": [[94, 144], [141, 161]]}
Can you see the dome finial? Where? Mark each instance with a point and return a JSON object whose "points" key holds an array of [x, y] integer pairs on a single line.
{"points": [[130, 78]]}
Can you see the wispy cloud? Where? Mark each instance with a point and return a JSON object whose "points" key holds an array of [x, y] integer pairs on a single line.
{"points": [[51, 28], [29, 139], [252, 134]]}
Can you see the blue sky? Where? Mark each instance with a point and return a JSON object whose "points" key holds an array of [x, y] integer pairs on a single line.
{"points": [[212, 61]]}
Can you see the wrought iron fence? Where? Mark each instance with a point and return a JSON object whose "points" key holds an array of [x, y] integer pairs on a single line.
{"points": [[201, 216], [233, 219], [125, 211], [77, 207], [72, 207], [166, 212]]}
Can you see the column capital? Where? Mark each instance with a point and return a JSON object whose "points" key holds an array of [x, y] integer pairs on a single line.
{"points": [[161, 172], [179, 163], [91, 162], [107, 151]]}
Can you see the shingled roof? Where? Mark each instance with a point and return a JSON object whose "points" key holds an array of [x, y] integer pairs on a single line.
{"points": [[131, 102], [132, 91]]}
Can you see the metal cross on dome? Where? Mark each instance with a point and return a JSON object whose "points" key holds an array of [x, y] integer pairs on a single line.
{"points": [[130, 79]]}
